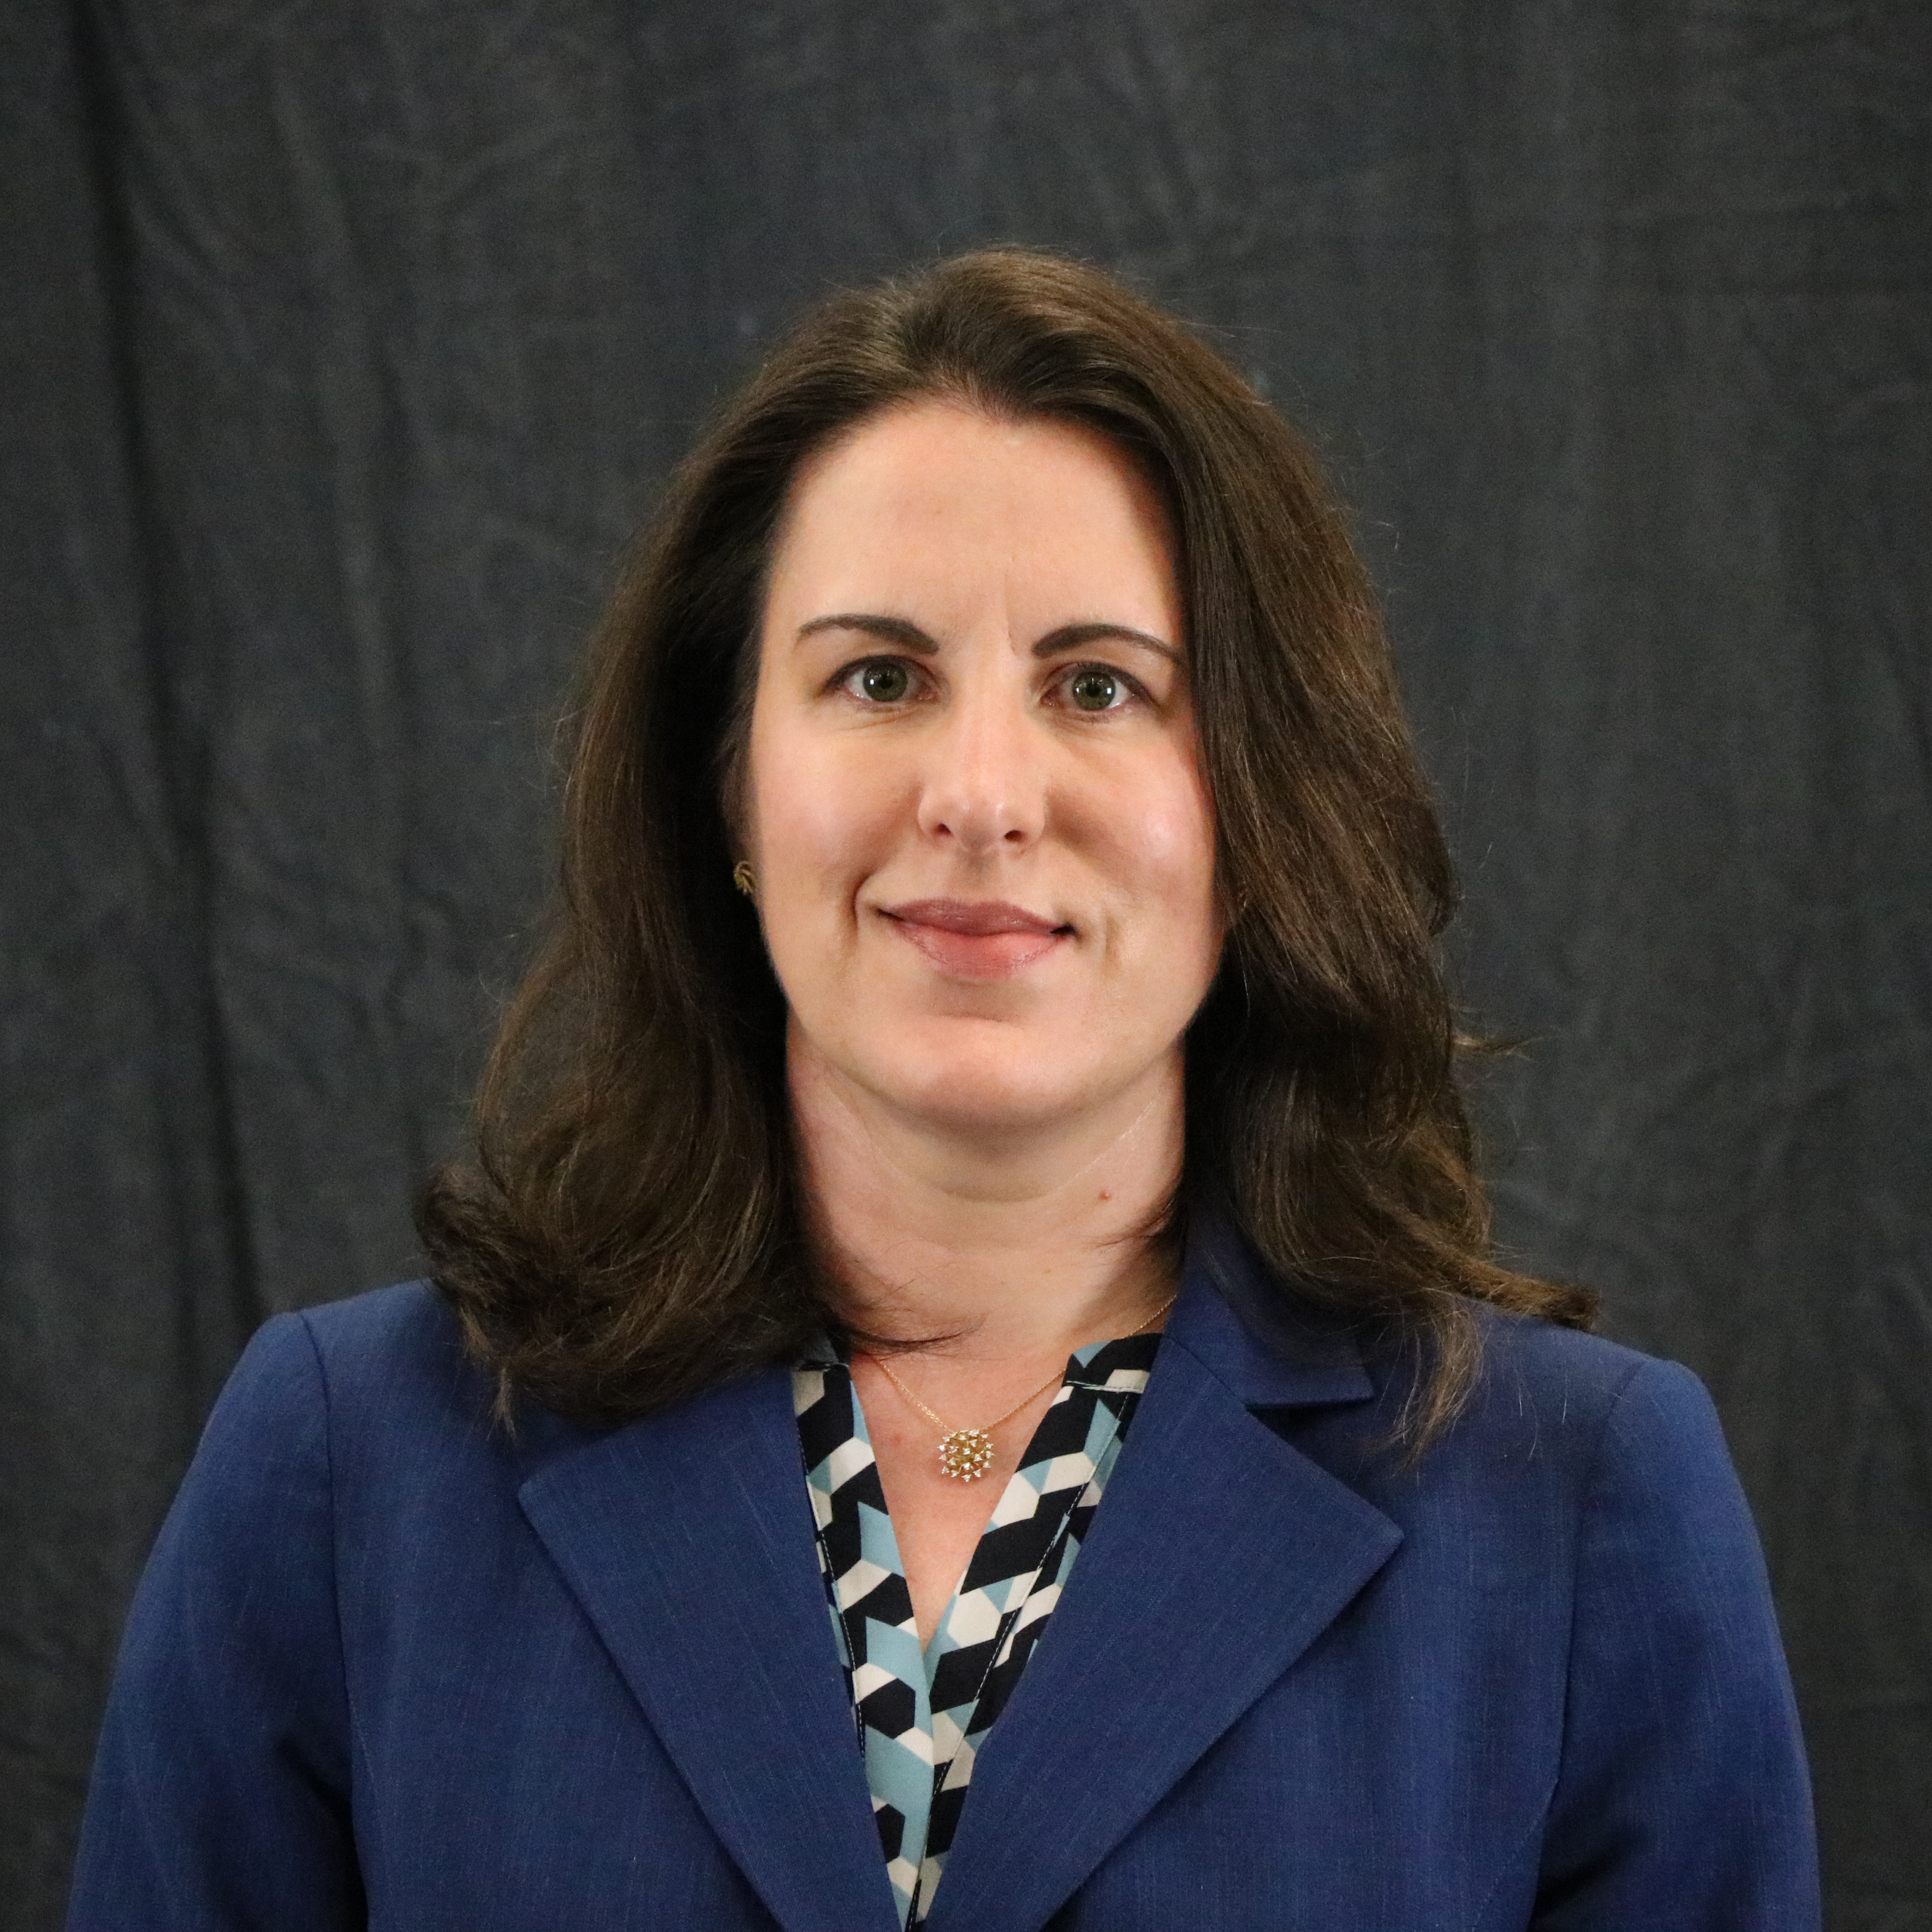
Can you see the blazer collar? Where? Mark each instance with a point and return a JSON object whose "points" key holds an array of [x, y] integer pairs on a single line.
{"points": [[1220, 1554], [688, 1539], [1267, 1349]]}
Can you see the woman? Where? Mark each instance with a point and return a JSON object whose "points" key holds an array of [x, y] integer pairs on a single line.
{"points": [[966, 1386]]}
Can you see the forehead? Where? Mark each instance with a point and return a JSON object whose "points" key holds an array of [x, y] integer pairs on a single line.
{"points": [[938, 502]]}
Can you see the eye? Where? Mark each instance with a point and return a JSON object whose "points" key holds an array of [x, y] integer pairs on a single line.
{"points": [[1095, 687], [880, 681]]}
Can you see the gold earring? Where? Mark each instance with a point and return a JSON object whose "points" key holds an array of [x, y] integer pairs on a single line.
{"points": [[743, 878]]}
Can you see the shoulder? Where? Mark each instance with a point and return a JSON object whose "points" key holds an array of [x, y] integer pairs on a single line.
{"points": [[374, 1397], [1591, 1462], [395, 1352], [410, 1324], [1604, 1412], [1559, 1428], [1545, 1402], [1538, 1382], [1640, 1441], [355, 1452], [392, 1360], [402, 1405], [1542, 1396]]}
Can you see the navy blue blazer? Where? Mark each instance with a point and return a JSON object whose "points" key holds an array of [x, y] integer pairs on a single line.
{"points": [[391, 1667]]}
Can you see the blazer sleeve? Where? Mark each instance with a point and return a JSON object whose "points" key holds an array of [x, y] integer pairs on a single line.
{"points": [[220, 1793], [1683, 1804]]}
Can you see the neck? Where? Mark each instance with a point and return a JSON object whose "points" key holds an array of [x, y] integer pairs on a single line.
{"points": [[1014, 1241]]}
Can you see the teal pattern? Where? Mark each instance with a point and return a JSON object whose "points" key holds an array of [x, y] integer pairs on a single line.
{"points": [[921, 1717]]}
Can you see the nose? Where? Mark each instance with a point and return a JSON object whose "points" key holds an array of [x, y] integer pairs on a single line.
{"points": [[984, 786]]}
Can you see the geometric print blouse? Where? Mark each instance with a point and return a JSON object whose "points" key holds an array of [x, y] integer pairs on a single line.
{"points": [[919, 1716]]}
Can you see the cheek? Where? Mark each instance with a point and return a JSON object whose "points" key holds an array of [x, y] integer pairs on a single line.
{"points": [[815, 818], [1161, 830]]}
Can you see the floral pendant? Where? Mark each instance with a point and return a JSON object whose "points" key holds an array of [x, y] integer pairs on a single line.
{"points": [[966, 1455]]}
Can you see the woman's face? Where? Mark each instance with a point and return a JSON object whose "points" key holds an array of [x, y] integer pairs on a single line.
{"points": [[984, 847]]}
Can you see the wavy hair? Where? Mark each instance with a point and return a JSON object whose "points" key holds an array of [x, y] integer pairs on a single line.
{"points": [[630, 1230]]}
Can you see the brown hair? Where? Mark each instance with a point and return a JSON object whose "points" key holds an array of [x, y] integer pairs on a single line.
{"points": [[631, 1233]]}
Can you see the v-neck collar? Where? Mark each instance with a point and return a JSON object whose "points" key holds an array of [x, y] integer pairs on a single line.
{"points": [[922, 1713]]}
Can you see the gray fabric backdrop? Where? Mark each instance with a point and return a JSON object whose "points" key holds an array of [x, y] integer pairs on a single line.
{"points": [[346, 341]]}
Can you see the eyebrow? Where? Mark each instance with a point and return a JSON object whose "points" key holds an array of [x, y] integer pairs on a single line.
{"points": [[909, 636]]}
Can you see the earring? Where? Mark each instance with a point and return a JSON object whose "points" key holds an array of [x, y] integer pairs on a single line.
{"points": [[744, 879]]}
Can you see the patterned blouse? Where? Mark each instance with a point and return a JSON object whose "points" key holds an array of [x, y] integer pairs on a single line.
{"points": [[921, 1716]]}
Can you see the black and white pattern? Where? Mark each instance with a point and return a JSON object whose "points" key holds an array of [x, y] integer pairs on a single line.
{"points": [[922, 1715]]}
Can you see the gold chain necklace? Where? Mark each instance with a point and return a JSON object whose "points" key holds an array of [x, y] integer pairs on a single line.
{"points": [[967, 1454]]}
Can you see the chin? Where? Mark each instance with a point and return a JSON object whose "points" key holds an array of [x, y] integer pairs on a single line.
{"points": [[979, 1076]]}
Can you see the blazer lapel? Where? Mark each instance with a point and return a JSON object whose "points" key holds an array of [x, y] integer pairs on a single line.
{"points": [[688, 1539], [1219, 1555]]}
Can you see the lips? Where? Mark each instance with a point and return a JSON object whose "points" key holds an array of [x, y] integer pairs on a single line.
{"points": [[976, 939]]}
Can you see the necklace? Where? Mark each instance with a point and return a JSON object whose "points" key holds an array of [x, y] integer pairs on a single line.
{"points": [[967, 1454]]}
